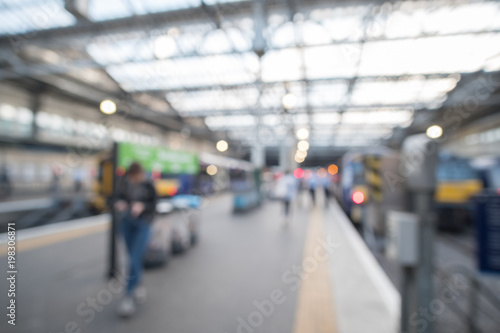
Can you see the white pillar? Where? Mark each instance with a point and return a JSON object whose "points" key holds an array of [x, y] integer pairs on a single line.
{"points": [[286, 157], [258, 155]]}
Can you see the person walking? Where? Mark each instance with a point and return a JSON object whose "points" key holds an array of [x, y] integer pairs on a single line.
{"points": [[288, 185], [312, 182], [326, 184], [137, 205]]}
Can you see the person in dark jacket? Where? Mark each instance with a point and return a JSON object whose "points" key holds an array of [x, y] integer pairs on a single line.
{"points": [[137, 205]]}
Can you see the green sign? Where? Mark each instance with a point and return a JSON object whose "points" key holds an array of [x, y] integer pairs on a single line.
{"points": [[158, 159]]}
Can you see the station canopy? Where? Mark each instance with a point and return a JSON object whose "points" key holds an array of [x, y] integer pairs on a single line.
{"points": [[352, 71]]}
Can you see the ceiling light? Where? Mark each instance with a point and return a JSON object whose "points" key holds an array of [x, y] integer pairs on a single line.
{"points": [[289, 101], [299, 159], [434, 132], [301, 153], [302, 133], [222, 146], [303, 145], [164, 47], [212, 170], [108, 107]]}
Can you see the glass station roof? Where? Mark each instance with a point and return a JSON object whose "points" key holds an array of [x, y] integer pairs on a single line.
{"points": [[347, 65], [21, 16]]}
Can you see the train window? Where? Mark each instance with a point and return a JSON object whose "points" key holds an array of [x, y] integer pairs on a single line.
{"points": [[7, 112], [45, 172], [24, 116], [43, 119], [13, 170], [29, 172], [81, 127], [455, 170], [56, 123], [68, 126]]}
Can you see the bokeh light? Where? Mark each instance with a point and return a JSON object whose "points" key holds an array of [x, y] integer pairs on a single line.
{"points": [[321, 173], [302, 133], [212, 170], [289, 101], [299, 159], [333, 169], [222, 145], [108, 107], [301, 153], [434, 132], [298, 173], [303, 145], [358, 197]]}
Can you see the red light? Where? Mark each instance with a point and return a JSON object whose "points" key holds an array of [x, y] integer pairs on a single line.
{"points": [[498, 191], [120, 171], [298, 173], [358, 197]]}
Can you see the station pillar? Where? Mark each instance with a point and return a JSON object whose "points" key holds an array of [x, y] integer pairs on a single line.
{"points": [[285, 157], [112, 250], [418, 166], [258, 158]]}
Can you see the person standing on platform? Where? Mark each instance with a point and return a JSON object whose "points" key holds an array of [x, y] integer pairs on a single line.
{"points": [[312, 182], [287, 188], [326, 183], [55, 182], [137, 205], [5, 182]]}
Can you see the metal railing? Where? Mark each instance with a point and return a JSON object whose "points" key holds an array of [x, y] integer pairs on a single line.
{"points": [[477, 291]]}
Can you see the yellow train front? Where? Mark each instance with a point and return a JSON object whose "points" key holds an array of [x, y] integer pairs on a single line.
{"points": [[457, 184], [370, 185]]}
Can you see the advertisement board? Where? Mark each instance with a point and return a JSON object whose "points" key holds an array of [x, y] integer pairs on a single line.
{"points": [[158, 159]]}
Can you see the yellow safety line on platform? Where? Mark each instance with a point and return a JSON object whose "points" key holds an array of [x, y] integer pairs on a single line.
{"points": [[33, 243], [315, 309]]}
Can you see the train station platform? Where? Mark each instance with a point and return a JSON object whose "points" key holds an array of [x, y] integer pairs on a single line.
{"points": [[31, 202], [14, 205], [249, 273]]}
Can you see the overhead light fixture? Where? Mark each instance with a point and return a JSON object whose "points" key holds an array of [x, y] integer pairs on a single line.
{"points": [[212, 170], [222, 145], [108, 107], [434, 132], [289, 101], [302, 133], [301, 153], [299, 159], [303, 145], [164, 47]]}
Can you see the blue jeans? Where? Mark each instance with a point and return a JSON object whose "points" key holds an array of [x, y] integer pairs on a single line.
{"points": [[136, 233]]}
